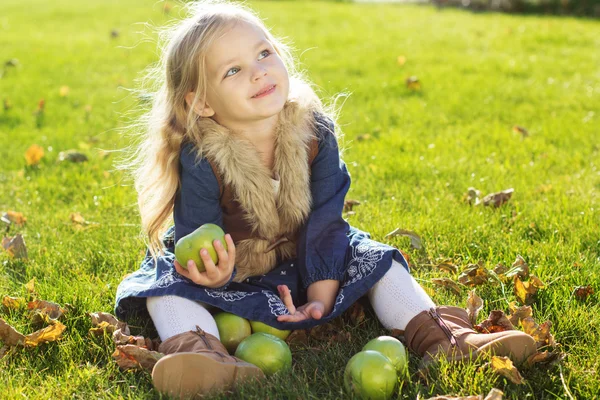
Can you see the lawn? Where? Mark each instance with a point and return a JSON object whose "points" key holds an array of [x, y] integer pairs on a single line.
{"points": [[412, 152]]}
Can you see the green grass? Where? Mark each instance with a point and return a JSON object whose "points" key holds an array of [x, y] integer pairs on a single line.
{"points": [[480, 75]]}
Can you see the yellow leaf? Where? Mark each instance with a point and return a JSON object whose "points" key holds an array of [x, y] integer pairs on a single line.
{"points": [[401, 60], [505, 367], [77, 218], [64, 91], [30, 286], [48, 334], [412, 83], [53, 310], [474, 305], [14, 217], [34, 154], [9, 335], [13, 303], [447, 283]]}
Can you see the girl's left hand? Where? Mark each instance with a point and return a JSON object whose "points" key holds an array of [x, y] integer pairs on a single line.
{"points": [[312, 309]]}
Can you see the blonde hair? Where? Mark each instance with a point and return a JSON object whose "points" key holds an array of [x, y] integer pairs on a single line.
{"points": [[153, 159]]}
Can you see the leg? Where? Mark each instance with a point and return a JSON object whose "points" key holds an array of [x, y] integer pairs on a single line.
{"points": [[397, 298], [430, 331], [173, 315]]}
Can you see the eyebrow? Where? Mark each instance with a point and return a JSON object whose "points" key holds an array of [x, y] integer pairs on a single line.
{"points": [[259, 44]]}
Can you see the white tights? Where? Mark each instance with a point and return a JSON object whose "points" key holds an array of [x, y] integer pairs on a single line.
{"points": [[396, 299]]}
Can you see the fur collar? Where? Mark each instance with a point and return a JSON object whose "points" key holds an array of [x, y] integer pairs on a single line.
{"points": [[269, 215]]}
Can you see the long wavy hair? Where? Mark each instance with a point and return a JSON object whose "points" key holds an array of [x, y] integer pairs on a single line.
{"points": [[158, 132]]}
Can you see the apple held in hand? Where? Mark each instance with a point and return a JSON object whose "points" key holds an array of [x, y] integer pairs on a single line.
{"points": [[393, 349], [267, 352], [370, 375], [189, 246], [258, 326], [232, 330]]}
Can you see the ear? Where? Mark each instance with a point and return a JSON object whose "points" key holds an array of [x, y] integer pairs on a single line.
{"points": [[205, 111]]}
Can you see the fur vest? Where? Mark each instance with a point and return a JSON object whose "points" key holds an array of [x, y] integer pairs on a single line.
{"points": [[264, 225]]}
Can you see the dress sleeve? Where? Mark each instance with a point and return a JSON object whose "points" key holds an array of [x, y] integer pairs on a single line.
{"points": [[198, 199], [323, 239]]}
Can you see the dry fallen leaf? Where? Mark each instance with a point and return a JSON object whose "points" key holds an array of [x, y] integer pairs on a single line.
{"points": [[64, 91], [13, 303], [526, 290], [545, 358], [518, 313], [505, 367], [401, 60], [474, 305], [541, 333], [582, 292], [52, 310], [355, 314], [34, 154], [14, 217], [77, 218], [122, 339], [448, 284], [474, 274], [497, 199], [107, 322], [415, 240], [30, 286], [500, 269], [133, 357], [50, 333], [494, 394], [496, 322], [520, 130], [15, 246], [472, 196], [349, 204], [72, 156], [412, 83], [519, 268], [9, 335], [478, 397], [448, 267]]}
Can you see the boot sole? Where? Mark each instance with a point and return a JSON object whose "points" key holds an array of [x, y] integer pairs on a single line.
{"points": [[191, 374]]}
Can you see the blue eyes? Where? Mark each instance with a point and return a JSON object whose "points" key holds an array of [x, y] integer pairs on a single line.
{"points": [[268, 52]]}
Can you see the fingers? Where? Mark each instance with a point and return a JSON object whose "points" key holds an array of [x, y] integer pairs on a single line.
{"points": [[230, 250], [286, 297]]}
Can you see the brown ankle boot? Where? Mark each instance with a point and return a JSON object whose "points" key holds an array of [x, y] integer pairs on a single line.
{"points": [[448, 330], [196, 363]]}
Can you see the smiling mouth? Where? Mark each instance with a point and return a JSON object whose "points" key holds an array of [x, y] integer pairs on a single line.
{"points": [[266, 92]]}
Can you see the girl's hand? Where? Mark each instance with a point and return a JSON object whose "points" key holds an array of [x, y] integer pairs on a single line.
{"points": [[312, 309], [215, 275]]}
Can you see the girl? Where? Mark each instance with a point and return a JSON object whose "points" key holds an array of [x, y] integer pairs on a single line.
{"points": [[236, 137]]}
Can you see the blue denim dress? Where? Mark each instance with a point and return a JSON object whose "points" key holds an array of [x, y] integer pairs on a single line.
{"points": [[328, 248]]}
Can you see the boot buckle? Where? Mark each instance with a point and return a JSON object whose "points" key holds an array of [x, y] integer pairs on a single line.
{"points": [[434, 314]]}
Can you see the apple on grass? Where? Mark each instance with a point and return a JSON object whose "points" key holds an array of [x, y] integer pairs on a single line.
{"points": [[370, 375], [267, 352], [258, 326], [393, 349], [232, 329], [189, 246]]}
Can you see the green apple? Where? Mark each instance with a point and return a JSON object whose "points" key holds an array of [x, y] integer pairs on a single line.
{"points": [[267, 352], [370, 375], [258, 326], [232, 330], [189, 246], [392, 348]]}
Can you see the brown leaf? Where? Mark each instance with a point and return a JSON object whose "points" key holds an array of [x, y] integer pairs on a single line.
{"points": [[412, 83], [50, 333], [355, 314], [13, 303], [363, 137], [494, 394], [120, 338], [30, 286], [415, 240], [500, 269], [526, 290], [14, 217], [505, 367], [130, 356], [474, 274], [72, 156], [474, 305], [478, 397], [52, 310], [518, 313], [448, 284], [77, 218], [497, 199], [107, 322], [348, 204], [545, 358], [541, 333], [298, 337], [496, 322], [582, 292], [519, 268], [472, 196], [448, 267], [15, 246], [9, 335], [520, 130], [34, 154]]}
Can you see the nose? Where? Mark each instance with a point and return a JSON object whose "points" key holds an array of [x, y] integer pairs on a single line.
{"points": [[259, 72]]}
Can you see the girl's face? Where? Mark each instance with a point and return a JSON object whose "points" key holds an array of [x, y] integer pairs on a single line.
{"points": [[247, 80]]}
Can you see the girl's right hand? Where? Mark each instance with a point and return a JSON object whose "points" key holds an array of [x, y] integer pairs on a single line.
{"points": [[215, 275]]}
